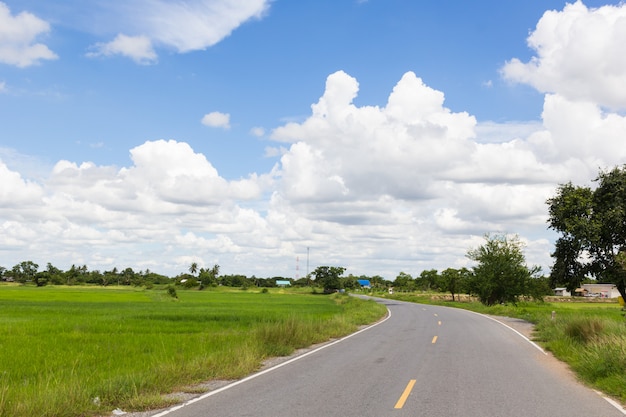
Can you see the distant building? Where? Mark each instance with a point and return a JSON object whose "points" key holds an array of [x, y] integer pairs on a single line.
{"points": [[600, 290], [590, 290], [364, 283], [283, 283], [562, 292]]}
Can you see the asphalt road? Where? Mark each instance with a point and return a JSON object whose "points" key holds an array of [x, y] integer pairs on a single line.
{"points": [[422, 361]]}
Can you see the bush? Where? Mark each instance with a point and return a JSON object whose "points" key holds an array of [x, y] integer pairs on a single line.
{"points": [[171, 291]]}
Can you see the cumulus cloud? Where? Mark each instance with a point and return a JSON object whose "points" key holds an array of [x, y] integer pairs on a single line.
{"points": [[415, 170], [166, 177], [138, 48], [146, 208], [17, 192], [579, 55], [182, 25], [18, 38], [343, 151], [217, 119]]}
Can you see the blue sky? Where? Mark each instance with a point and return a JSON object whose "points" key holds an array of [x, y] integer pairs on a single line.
{"points": [[386, 136]]}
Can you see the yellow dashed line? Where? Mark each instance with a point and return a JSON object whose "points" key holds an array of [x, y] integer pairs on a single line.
{"points": [[405, 394], [434, 340]]}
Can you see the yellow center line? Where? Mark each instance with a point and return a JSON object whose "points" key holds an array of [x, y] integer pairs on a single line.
{"points": [[439, 322], [434, 340], [405, 394]]}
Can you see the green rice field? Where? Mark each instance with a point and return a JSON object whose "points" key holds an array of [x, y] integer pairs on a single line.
{"points": [[81, 351]]}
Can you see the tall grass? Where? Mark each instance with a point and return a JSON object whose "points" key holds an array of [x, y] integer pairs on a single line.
{"points": [[85, 351], [594, 345]]}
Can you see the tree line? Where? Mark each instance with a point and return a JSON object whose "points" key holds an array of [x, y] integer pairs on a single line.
{"points": [[28, 272], [500, 275]]}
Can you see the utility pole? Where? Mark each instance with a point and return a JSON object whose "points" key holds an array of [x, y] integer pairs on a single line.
{"points": [[308, 278]]}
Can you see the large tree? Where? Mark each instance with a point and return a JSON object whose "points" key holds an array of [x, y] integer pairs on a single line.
{"points": [[329, 277], [592, 224], [25, 271], [501, 274], [208, 277], [404, 282]]}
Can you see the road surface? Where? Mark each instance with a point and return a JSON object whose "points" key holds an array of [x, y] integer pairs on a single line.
{"points": [[422, 361]]}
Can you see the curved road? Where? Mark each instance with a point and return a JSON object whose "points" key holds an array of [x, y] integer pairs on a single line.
{"points": [[421, 361]]}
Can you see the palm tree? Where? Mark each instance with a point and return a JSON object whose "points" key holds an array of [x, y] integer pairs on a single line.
{"points": [[193, 268]]}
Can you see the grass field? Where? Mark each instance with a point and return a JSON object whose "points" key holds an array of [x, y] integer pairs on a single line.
{"points": [[589, 336], [74, 351]]}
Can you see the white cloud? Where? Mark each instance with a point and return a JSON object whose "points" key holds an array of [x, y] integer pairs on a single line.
{"points": [[343, 151], [3, 87], [217, 119], [580, 55], [138, 48], [167, 177], [18, 38], [257, 131], [183, 25], [17, 192], [197, 24]]}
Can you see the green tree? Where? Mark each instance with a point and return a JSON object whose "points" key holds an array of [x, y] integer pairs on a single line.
{"points": [[25, 271], [72, 275], [111, 277], [350, 282], [208, 277], [501, 274], [592, 224], [404, 282], [454, 280], [193, 268], [428, 280], [128, 276], [328, 277], [51, 275], [377, 281]]}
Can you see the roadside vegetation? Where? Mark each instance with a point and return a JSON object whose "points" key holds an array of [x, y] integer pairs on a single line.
{"points": [[80, 351]]}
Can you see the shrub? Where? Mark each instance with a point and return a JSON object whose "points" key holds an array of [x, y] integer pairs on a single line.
{"points": [[171, 291]]}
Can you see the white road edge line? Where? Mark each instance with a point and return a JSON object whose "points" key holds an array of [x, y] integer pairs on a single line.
{"points": [[612, 402], [248, 378], [520, 334]]}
